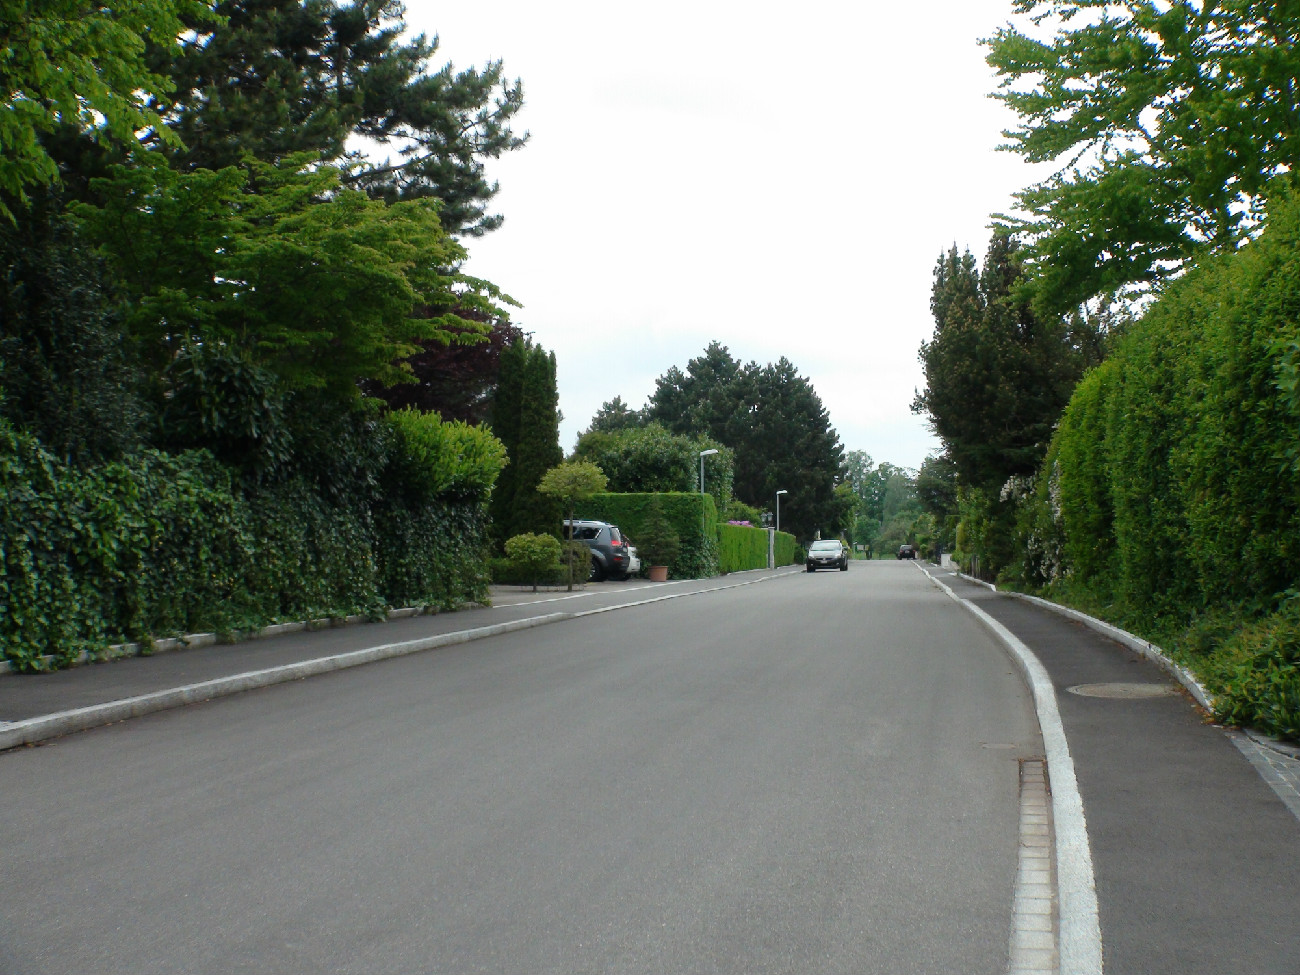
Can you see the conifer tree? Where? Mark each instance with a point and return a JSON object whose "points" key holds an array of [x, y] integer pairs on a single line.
{"points": [[773, 420], [526, 418], [278, 77]]}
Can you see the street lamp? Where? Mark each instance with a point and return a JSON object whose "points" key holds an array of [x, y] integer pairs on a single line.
{"points": [[778, 507], [703, 454]]}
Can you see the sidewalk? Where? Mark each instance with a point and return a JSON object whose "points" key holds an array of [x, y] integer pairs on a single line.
{"points": [[1195, 853], [36, 707]]}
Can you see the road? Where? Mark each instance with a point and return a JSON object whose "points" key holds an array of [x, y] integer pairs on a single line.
{"points": [[818, 773]]}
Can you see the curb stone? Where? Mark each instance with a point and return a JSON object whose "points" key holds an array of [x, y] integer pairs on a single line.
{"points": [[30, 731]]}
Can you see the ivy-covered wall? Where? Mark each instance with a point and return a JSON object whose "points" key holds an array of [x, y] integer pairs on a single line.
{"points": [[158, 545]]}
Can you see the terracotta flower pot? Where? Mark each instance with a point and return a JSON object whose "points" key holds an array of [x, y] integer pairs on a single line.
{"points": [[658, 573]]}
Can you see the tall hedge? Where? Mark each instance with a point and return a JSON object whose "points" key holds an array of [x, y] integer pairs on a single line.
{"points": [[1177, 488], [693, 516], [742, 547], [1173, 477]]}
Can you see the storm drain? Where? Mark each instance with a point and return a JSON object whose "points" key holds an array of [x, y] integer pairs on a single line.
{"points": [[1121, 691], [1033, 915]]}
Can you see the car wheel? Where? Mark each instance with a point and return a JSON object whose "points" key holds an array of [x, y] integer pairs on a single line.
{"points": [[811, 569], [844, 567], [597, 571]]}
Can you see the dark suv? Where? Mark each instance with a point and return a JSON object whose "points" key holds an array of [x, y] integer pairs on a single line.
{"points": [[609, 549], [907, 551]]}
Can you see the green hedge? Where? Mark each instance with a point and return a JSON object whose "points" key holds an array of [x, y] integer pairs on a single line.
{"points": [[788, 550], [693, 516], [148, 547], [1173, 479], [742, 547], [163, 544]]}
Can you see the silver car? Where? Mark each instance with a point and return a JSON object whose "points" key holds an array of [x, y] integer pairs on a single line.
{"points": [[827, 553]]}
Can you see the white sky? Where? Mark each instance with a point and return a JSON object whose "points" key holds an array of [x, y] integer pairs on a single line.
{"points": [[780, 179]]}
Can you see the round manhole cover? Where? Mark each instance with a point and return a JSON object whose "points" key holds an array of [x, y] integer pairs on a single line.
{"points": [[1124, 691]]}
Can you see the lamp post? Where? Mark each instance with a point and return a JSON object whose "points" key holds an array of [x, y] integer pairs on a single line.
{"points": [[778, 507], [703, 454]]}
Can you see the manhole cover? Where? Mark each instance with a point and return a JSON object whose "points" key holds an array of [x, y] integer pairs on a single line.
{"points": [[1124, 691]]}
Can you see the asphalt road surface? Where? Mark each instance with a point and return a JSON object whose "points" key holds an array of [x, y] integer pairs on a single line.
{"points": [[816, 773]]}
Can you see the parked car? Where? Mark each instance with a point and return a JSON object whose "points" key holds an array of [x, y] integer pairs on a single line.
{"points": [[610, 551], [907, 551], [827, 553], [633, 561]]}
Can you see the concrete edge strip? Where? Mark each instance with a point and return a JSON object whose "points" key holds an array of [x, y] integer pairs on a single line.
{"points": [[1080, 924], [46, 726], [1033, 916]]}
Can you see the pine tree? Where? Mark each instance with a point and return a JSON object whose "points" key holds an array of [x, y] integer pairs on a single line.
{"points": [[285, 76]]}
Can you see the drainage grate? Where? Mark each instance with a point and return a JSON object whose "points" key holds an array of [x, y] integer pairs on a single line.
{"points": [[1033, 918]]}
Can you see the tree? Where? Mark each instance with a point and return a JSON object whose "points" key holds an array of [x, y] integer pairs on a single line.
{"points": [[316, 282], [534, 556], [660, 543], [706, 399], [66, 372], [322, 75], [936, 486], [568, 483], [1170, 122], [997, 373], [788, 443], [615, 415], [650, 459], [455, 380], [83, 66], [775, 423], [525, 417]]}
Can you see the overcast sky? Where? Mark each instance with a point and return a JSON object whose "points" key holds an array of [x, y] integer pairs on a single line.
{"points": [[781, 180]]}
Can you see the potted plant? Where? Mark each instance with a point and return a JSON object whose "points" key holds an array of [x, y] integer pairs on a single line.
{"points": [[657, 543]]}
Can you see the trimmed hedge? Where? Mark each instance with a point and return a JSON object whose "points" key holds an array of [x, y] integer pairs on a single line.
{"points": [[1173, 482], [742, 547], [693, 516]]}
